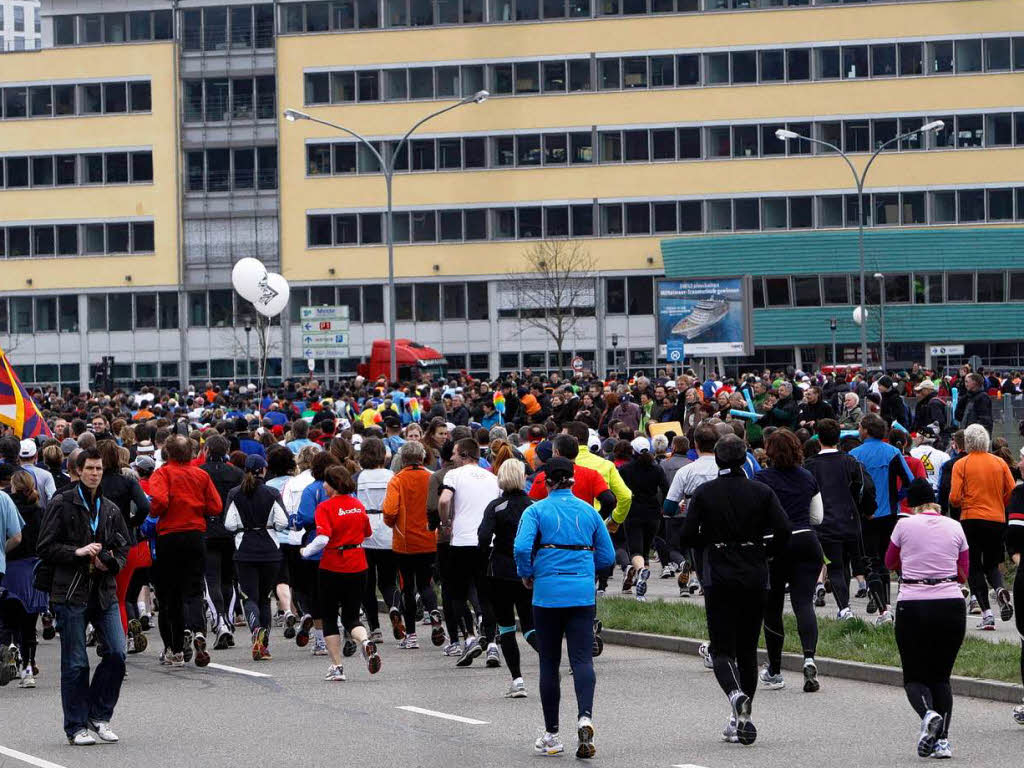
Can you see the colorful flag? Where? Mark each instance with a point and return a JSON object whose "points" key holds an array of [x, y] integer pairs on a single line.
{"points": [[17, 409]]}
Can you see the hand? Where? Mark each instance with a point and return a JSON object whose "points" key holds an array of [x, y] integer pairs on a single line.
{"points": [[528, 583], [89, 550], [611, 525], [98, 564], [304, 552]]}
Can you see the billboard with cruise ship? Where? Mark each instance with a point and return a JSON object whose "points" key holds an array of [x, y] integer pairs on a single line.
{"points": [[711, 317]]}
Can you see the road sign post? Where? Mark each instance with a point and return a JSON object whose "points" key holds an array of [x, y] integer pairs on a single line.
{"points": [[324, 332], [675, 351]]}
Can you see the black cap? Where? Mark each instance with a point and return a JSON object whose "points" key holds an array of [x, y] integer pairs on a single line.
{"points": [[885, 381], [558, 470], [920, 492]]}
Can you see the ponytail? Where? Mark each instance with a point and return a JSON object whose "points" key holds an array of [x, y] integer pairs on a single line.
{"points": [[250, 483]]}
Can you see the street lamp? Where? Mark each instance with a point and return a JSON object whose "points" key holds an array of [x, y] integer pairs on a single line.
{"points": [[388, 169], [881, 317], [785, 135], [247, 319]]}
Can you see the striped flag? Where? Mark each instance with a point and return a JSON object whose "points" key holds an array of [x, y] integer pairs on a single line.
{"points": [[17, 409]]}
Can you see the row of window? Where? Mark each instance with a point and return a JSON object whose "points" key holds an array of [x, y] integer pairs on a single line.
{"points": [[916, 288], [96, 28], [76, 169], [372, 14], [223, 100], [683, 70], [238, 27], [418, 301], [90, 239], [644, 145], [223, 170], [110, 98], [671, 216]]}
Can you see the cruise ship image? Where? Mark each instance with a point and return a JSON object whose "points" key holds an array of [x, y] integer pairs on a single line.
{"points": [[706, 314]]}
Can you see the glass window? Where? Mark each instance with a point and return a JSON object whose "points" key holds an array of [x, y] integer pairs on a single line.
{"points": [[117, 168], [997, 54], [883, 60], [828, 62], [582, 148], [42, 171], [371, 228], [421, 82], [475, 221], [635, 146], [943, 208], [886, 209], [1000, 204], [688, 69], [168, 310], [689, 143], [451, 225], [911, 59], [528, 150], [530, 222], [968, 56], [638, 218], [836, 289], [369, 85], [215, 29], [64, 30], [93, 234], [897, 289], [719, 141], [145, 310], [773, 213], [68, 314], [634, 72], [691, 216], [1016, 287], [40, 101], [555, 149], [579, 75], [345, 231], [527, 77], [118, 238], [373, 304], [97, 312], [663, 72], [611, 146], [504, 224], [67, 240], [454, 301], [855, 61], [747, 213], [663, 144], [719, 215], [777, 291], [428, 308], [940, 55], [119, 314], [582, 220], [115, 98], [773, 65], [556, 221], [798, 64], [665, 217], [478, 300], [744, 67], [999, 130], [806, 291], [424, 226], [220, 309], [608, 70], [615, 295], [960, 286], [858, 135], [717, 68], [971, 203], [320, 230], [196, 309], [92, 28], [744, 142], [448, 82], [801, 214], [43, 241], [991, 287]]}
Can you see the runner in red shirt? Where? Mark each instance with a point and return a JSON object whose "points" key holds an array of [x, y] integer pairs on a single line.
{"points": [[341, 527], [588, 485]]}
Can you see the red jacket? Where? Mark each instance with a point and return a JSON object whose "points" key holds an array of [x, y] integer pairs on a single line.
{"points": [[182, 496]]}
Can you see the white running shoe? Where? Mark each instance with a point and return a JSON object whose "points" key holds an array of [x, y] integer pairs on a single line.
{"points": [[942, 749], [335, 674], [931, 727], [452, 649], [82, 739], [103, 731], [516, 690], [704, 651], [585, 749], [549, 744], [729, 733], [1018, 714], [769, 681], [28, 680], [319, 647], [844, 615], [409, 642], [885, 617]]}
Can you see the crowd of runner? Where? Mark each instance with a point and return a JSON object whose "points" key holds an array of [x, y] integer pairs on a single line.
{"points": [[478, 511]]}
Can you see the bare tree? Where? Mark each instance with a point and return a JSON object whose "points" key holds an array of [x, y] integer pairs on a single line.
{"points": [[262, 345], [556, 278]]}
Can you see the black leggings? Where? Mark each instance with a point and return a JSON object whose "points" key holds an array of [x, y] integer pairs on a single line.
{"points": [[877, 533], [19, 628], [220, 575], [734, 626], [576, 625], [465, 570], [344, 590], [416, 571], [985, 541], [929, 634], [140, 578], [256, 581], [668, 545], [383, 572], [180, 573], [511, 598], [841, 556], [799, 567], [640, 537], [1018, 616]]}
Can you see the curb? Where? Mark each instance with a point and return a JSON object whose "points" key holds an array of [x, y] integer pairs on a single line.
{"points": [[848, 670]]}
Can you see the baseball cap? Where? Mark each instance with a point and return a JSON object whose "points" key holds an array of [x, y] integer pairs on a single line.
{"points": [[28, 449], [254, 463], [67, 445], [641, 445], [926, 384], [144, 463], [558, 470]]}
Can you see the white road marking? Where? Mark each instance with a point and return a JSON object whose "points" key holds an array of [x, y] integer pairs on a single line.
{"points": [[444, 715], [687, 765], [36, 761], [236, 670]]}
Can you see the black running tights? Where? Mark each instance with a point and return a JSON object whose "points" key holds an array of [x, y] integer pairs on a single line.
{"points": [[734, 626], [985, 541], [511, 598], [799, 567], [381, 572]]}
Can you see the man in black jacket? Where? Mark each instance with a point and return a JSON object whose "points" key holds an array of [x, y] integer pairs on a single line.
{"points": [[84, 540], [892, 407], [930, 411], [976, 407], [220, 547], [814, 408]]}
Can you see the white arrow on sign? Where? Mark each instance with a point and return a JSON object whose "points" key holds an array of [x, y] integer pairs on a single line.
{"points": [[325, 339]]}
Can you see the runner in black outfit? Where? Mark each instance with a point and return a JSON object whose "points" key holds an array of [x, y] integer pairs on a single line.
{"points": [[726, 519], [646, 479]]}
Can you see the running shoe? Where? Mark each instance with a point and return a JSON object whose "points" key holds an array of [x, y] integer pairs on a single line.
{"points": [[9, 664], [769, 681], [279, 619], [987, 623], [376, 635], [290, 620], [397, 624], [585, 749], [871, 607], [704, 651], [145, 621], [240, 620], [471, 651], [1005, 606], [259, 644], [453, 649], [409, 643], [811, 684], [746, 732], [516, 689], [187, 652], [223, 637], [28, 679], [335, 674], [641, 584], [729, 732], [493, 659], [49, 630], [1018, 714], [90, 636], [931, 727], [138, 640], [349, 648], [668, 570], [862, 591], [319, 646], [973, 608], [548, 744], [175, 660], [942, 749], [231, 640], [600, 593], [844, 615], [305, 627], [819, 595], [372, 658], [628, 579], [82, 739], [202, 655], [103, 731], [694, 585], [437, 633], [885, 617]]}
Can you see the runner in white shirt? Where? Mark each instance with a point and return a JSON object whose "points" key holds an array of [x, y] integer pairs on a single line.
{"points": [[466, 492], [931, 457], [382, 570]]}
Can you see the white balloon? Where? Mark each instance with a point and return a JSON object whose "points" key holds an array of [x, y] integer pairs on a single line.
{"points": [[858, 315], [273, 295], [247, 276]]}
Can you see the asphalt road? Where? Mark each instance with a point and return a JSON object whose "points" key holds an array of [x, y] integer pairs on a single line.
{"points": [[652, 709]]}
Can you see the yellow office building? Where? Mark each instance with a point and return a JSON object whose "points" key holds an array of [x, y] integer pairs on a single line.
{"points": [[619, 123]]}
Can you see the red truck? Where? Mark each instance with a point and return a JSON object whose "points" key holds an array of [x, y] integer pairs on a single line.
{"points": [[415, 361]]}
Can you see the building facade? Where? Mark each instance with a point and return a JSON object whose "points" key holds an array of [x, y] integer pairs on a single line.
{"points": [[633, 127], [20, 25]]}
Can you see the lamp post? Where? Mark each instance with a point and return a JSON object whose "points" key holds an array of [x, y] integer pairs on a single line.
{"points": [[615, 353], [784, 135], [832, 325], [247, 319], [388, 169], [881, 318]]}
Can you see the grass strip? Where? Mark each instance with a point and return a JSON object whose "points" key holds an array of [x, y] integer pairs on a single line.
{"points": [[853, 640]]}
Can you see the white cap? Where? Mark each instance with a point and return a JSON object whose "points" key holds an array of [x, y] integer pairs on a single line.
{"points": [[641, 445], [28, 448]]}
